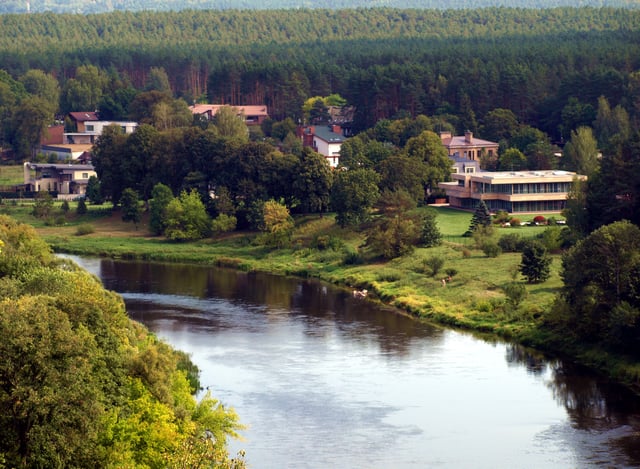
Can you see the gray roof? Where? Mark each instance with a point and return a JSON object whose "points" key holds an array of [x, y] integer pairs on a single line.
{"points": [[326, 134]]}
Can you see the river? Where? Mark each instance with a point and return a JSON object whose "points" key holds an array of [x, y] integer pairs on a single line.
{"points": [[325, 380]]}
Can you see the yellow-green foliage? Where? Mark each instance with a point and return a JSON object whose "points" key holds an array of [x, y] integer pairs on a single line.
{"points": [[92, 388]]}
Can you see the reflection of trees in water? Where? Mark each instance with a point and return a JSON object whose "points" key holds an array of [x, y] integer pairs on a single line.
{"points": [[535, 362], [360, 319], [590, 403]]}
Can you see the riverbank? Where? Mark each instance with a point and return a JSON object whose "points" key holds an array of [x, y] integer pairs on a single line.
{"points": [[472, 298]]}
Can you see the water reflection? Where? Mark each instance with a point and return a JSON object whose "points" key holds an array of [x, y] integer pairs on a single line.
{"points": [[326, 380]]}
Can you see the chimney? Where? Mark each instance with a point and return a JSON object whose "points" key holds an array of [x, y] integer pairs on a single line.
{"points": [[336, 129], [444, 135], [468, 136]]}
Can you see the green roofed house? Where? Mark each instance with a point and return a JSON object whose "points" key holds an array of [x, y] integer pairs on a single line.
{"points": [[511, 191]]}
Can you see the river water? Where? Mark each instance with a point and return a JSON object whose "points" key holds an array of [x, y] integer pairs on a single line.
{"points": [[324, 380]]}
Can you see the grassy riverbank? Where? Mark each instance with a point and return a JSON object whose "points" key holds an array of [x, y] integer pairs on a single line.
{"points": [[474, 299]]}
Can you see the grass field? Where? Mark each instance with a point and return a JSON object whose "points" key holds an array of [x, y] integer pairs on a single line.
{"points": [[11, 175]]}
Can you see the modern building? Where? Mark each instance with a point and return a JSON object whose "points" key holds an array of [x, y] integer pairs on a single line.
{"points": [[513, 192], [68, 180]]}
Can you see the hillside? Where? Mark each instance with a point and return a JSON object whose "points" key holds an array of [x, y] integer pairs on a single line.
{"points": [[102, 6]]}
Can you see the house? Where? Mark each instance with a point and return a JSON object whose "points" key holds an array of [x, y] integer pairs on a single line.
{"points": [[65, 152], [252, 115], [468, 147], [511, 191], [68, 180], [76, 144], [87, 127], [326, 140]]}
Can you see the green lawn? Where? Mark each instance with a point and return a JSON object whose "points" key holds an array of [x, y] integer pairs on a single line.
{"points": [[11, 175]]}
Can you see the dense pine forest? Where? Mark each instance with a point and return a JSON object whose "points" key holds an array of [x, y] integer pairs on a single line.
{"points": [[103, 6], [385, 62]]}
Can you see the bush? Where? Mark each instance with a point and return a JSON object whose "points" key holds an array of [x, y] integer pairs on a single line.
{"points": [[451, 272], [466, 253], [539, 220], [511, 242], [84, 229], [515, 222], [501, 217], [432, 265], [515, 293], [491, 249], [323, 242], [223, 223], [352, 258]]}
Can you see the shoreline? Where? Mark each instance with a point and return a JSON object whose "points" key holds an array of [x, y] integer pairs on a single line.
{"points": [[521, 330]]}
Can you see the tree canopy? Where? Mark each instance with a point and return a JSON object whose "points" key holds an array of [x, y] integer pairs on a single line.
{"points": [[81, 385]]}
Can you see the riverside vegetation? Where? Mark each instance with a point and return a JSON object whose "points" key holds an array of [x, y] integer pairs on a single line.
{"points": [[477, 292], [84, 386]]}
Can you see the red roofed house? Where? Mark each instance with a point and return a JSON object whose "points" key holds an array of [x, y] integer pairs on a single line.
{"points": [[252, 115]]}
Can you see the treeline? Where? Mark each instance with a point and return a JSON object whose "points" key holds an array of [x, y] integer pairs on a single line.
{"points": [[103, 6], [385, 62], [81, 385]]}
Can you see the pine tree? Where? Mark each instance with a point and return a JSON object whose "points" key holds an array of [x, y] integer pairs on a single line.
{"points": [[481, 217], [536, 262], [430, 235]]}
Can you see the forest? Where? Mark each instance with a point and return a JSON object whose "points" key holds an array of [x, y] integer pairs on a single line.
{"points": [[542, 83], [103, 6], [412, 62]]}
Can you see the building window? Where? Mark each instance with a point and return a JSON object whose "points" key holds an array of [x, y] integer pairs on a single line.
{"points": [[89, 128], [470, 169], [85, 175]]}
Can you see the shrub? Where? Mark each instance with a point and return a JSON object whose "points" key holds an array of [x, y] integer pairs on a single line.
{"points": [[491, 249], [515, 222], [515, 293], [466, 253], [539, 220], [511, 242], [84, 229], [223, 223], [501, 217], [451, 272], [352, 258], [65, 206], [323, 242], [432, 265]]}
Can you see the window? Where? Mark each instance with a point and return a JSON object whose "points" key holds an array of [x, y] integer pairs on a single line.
{"points": [[90, 128], [85, 175], [470, 169]]}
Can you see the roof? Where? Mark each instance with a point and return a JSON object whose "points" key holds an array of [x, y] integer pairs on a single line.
{"points": [[460, 141], [84, 116], [62, 167], [252, 110], [68, 147], [328, 135], [496, 177]]}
